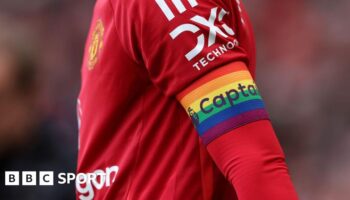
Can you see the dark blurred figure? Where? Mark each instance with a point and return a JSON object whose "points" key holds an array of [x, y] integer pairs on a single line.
{"points": [[29, 141]]}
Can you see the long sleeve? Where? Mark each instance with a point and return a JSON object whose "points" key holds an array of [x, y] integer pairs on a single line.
{"points": [[251, 158]]}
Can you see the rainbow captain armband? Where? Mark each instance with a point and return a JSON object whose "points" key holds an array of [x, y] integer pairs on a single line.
{"points": [[223, 100]]}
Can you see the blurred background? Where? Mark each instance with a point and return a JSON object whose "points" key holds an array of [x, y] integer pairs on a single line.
{"points": [[303, 70]]}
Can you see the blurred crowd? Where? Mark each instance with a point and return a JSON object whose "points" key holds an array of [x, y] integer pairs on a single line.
{"points": [[302, 73], [41, 47], [303, 67]]}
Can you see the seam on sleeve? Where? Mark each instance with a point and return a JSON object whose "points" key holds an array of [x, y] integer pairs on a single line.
{"points": [[119, 38]]}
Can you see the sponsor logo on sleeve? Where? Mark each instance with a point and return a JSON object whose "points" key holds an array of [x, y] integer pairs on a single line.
{"points": [[215, 24]]}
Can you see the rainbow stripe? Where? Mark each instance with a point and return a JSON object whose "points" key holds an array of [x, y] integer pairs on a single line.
{"points": [[223, 100]]}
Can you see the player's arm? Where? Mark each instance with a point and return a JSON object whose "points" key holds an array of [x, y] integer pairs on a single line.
{"points": [[221, 98], [229, 115]]}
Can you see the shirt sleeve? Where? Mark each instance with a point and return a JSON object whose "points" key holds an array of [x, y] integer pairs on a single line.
{"points": [[190, 50]]}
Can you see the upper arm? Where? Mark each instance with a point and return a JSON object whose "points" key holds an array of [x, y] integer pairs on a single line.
{"points": [[192, 50]]}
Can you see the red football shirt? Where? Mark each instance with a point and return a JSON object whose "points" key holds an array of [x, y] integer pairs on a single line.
{"points": [[139, 55]]}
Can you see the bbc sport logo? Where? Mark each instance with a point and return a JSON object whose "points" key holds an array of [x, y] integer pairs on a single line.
{"points": [[42, 178], [29, 178], [85, 183], [47, 178]]}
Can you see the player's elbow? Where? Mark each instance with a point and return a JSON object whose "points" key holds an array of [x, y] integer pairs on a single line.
{"points": [[252, 160], [256, 165], [264, 173]]}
